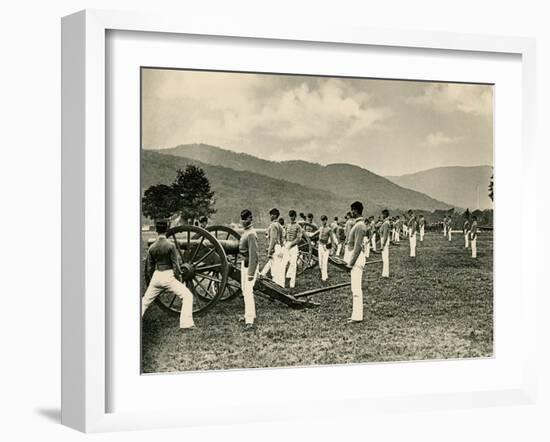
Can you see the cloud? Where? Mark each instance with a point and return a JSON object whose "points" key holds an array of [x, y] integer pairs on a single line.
{"points": [[438, 139], [447, 98], [303, 116]]}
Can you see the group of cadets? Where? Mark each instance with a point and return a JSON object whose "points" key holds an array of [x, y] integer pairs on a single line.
{"points": [[353, 238]]}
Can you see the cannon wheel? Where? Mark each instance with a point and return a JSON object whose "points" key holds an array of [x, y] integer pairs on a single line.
{"points": [[305, 256], [204, 269], [232, 288]]}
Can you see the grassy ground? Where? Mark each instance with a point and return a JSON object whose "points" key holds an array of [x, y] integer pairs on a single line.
{"points": [[437, 306]]}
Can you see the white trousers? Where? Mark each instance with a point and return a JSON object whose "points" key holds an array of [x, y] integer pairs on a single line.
{"points": [[357, 288], [323, 254], [275, 265], [405, 231], [386, 260], [338, 249], [412, 244], [466, 237], [247, 287], [474, 247], [373, 242], [421, 233], [366, 247], [450, 233], [347, 254], [444, 230], [165, 281], [290, 258]]}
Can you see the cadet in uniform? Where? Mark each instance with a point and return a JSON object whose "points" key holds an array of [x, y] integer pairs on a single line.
{"points": [[347, 228], [248, 248], [293, 237], [275, 237], [398, 224], [449, 227], [412, 233], [310, 221], [373, 230], [385, 231], [473, 236], [203, 222], [162, 265], [357, 260], [421, 224], [327, 240], [466, 231]]}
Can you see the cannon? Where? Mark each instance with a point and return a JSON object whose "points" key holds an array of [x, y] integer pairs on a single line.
{"points": [[211, 268]]}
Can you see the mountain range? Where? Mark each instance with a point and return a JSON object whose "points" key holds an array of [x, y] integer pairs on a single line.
{"points": [[304, 185], [465, 187]]}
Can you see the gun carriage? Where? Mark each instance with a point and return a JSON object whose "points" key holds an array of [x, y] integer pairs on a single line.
{"points": [[211, 268]]}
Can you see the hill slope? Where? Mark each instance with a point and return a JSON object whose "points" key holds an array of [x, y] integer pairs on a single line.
{"points": [[456, 185], [350, 182], [236, 190]]}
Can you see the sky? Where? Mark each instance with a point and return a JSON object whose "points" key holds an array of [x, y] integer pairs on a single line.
{"points": [[389, 127]]}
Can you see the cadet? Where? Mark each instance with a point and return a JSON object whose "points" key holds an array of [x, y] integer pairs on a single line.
{"points": [[385, 231], [341, 235], [162, 266], [449, 227], [310, 221], [248, 248], [349, 224], [466, 231], [398, 224], [324, 246], [473, 236], [373, 229], [421, 224], [357, 260], [203, 222], [445, 225], [293, 237], [275, 237], [412, 233]]}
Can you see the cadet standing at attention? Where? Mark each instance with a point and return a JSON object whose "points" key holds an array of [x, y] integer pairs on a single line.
{"points": [[293, 237], [327, 240], [466, 231], [275, 237], [412, 233], [398, 223], [421, 224], [162, 266], [445, 226], [373, 229], [449, 227], [473, 236], [385, 230], [347, 228], [248, 248], [357, 260]]}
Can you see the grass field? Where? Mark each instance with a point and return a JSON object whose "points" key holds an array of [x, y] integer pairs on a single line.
{"points": [[437, 306]]}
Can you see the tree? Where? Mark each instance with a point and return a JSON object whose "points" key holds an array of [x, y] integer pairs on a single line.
{"points": [[491, 188], [159, 201], [194, 195]]}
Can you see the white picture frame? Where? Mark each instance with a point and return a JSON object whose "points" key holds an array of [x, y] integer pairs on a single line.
{"points": [[85, 214]]}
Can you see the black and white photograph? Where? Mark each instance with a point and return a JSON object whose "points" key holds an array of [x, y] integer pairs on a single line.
{"points": [[292, 220]]}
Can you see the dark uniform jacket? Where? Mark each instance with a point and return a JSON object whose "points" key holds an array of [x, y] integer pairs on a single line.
{"points": [[162, 255]]}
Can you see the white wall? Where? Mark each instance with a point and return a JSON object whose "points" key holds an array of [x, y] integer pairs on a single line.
{"points": [[30, 182]]}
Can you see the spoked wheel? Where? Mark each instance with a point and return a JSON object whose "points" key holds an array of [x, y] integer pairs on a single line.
{"points": [[305, 256], [204, 269], [224, 233]]}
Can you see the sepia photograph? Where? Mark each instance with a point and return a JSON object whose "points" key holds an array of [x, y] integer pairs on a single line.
{"points": [[292, 221]]}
